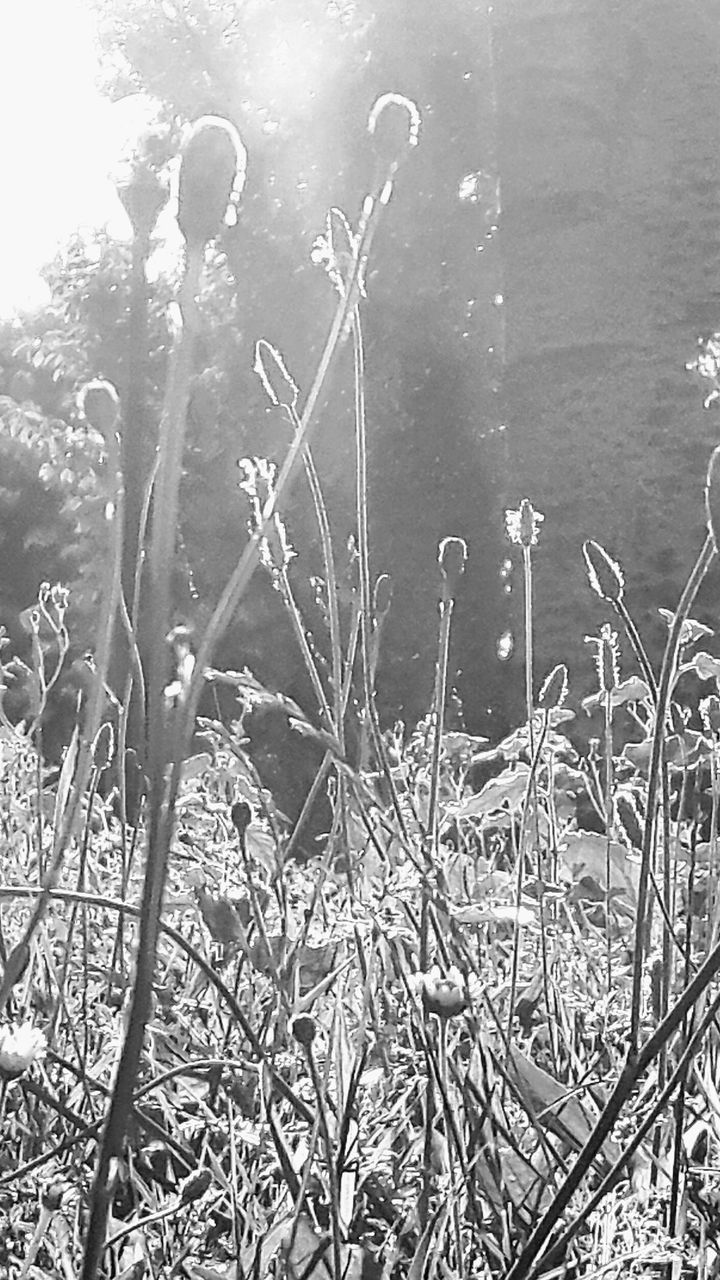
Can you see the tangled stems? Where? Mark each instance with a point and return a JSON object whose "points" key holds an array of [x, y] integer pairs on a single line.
{"points": [[638, 1058], [101, 400], [170, 451], [702, 564], [635, 1067]]}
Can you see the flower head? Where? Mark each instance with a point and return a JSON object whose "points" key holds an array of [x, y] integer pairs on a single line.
{"points": [[709, 709], [707, 366], [20, 1046], [443, 994], [258, 482], [523, 525], [607, 654]]}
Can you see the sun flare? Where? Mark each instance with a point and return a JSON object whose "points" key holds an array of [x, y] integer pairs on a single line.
{"points": [[54, 140]]}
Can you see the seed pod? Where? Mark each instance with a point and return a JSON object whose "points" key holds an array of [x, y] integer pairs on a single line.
{"points": [[100, 405], [241, 816], [212, 175], [142, 193]]}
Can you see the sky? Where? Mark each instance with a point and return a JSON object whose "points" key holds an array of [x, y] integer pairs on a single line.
{"points": [[57, 139]]}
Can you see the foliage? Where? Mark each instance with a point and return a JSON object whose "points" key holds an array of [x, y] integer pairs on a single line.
{"points": [[445, 1043]]}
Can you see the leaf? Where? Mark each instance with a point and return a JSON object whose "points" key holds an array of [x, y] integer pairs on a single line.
{"points": [[583, 854], [500, 913], [631, 690], [506, 791], [690, 631], [705, 666], [222, 920], [553, 1107], [195, 766]]}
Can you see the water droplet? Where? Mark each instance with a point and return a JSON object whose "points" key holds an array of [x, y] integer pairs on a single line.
{"points": [[482, 190], [505, 646]]}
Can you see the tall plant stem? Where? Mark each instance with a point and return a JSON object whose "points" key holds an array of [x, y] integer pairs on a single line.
{"points": [[163, 748], [635, 1067], [609, 831], [528, 627], [638, 1059], [700, 568], [366, 618]]}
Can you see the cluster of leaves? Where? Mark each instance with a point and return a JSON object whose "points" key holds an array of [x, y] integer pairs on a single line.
{"points": [[302, 1073]]}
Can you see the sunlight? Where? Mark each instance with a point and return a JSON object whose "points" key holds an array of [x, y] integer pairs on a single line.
{"points": [[54, 142]]}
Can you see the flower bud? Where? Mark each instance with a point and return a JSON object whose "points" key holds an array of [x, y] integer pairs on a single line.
{"points": [[52, 1196], [272, 372], [382, 595], [304, 1028], [142, 193], [20, 1046], [443, 994], [630, 823], [100, 404], [523, 525], [605, 576], [103, 747], [241, 816], [394, 125], [554, 690], [195, 1185], [452, 557], [212, 174]]}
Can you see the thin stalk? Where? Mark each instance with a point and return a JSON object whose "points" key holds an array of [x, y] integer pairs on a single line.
{"points": [[335, 1226], [700, 568], [636, 1065], [609, 831], [557, 1251], [519, 884], [366, 628], [637, 646], [162, 749]]}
